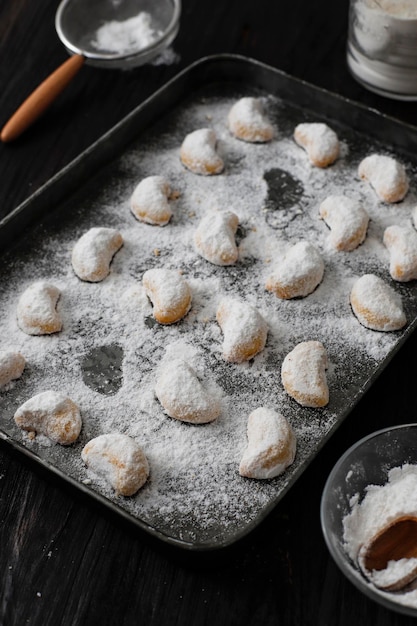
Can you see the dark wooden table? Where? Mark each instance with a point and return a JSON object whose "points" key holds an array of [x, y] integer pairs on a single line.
{"points": [[62, 561]]}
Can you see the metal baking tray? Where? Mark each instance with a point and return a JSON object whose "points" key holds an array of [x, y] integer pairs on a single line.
{"points": [[107, 353]]}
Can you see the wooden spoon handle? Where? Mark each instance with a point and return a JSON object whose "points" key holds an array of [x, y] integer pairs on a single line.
{"points": [[40, 99]]}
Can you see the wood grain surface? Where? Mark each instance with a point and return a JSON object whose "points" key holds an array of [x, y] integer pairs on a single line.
{"points": [[65, 562]]}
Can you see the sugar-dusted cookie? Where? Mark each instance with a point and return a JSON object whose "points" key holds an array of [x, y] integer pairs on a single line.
{"points": [[52, 414], [36, 309], [199, 152], [244, 329], [347, 219], [247, 121], [303, 374], [215, 237], [150, 201], [12, 364], [93, 253], [376, 304], [271, 445], [386, 175], [119, 460], [401, 242], [169, 293], [297, 273], [319, 141], [182, 395]]}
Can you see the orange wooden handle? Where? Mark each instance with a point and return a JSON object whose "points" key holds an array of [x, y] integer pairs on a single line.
{"points": [[40, 99]]}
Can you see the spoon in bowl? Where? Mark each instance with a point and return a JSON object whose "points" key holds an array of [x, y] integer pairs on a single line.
{"points": [[389, 558], [103, 33]]}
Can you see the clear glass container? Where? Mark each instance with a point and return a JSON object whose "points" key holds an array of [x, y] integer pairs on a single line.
{"points": [[382, 46]]}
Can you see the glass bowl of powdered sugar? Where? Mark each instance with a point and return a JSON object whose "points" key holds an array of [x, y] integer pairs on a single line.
{"points": [[371, 487]]}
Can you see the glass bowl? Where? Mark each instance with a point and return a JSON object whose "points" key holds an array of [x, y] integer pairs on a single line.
{"points": [[366, 462]]}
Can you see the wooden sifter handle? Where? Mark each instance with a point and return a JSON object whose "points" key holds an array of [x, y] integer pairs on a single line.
{"points": [[40, 99]]}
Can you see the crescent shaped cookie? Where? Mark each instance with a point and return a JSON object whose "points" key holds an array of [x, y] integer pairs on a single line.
{"points": [[119, 460], [348, 222], [93, 253], [271, 445], [376, 305], [215, 238], [386, 175], [36, 309], [401, 242], [247, 121], [198, 153], [169, 293], [51, 414], [319, 141], [182, 395], [150, 201], [297, 273], [12, 365], [303, 374], [244, 330]]}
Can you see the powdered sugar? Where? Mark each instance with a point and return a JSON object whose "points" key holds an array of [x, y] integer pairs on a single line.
{"points": [[381, 505], [194, 492], [127, 36]]}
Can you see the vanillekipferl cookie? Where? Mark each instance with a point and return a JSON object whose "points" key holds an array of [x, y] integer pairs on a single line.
{"points": [[199, 154], [303, 374], [37, 312], [182, 395], [297, 273], [150, 201], [247, 121], [376, 305], [386, 175], [93, 253], [347, 219], [320, 142], [214, 237], [401, 243], [52, 414], [169, 293], [119, 460], [244, 329], [12, 364], [271, 445]]}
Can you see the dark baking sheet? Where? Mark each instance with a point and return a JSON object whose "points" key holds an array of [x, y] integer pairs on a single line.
{"points": [[206, 505]]}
